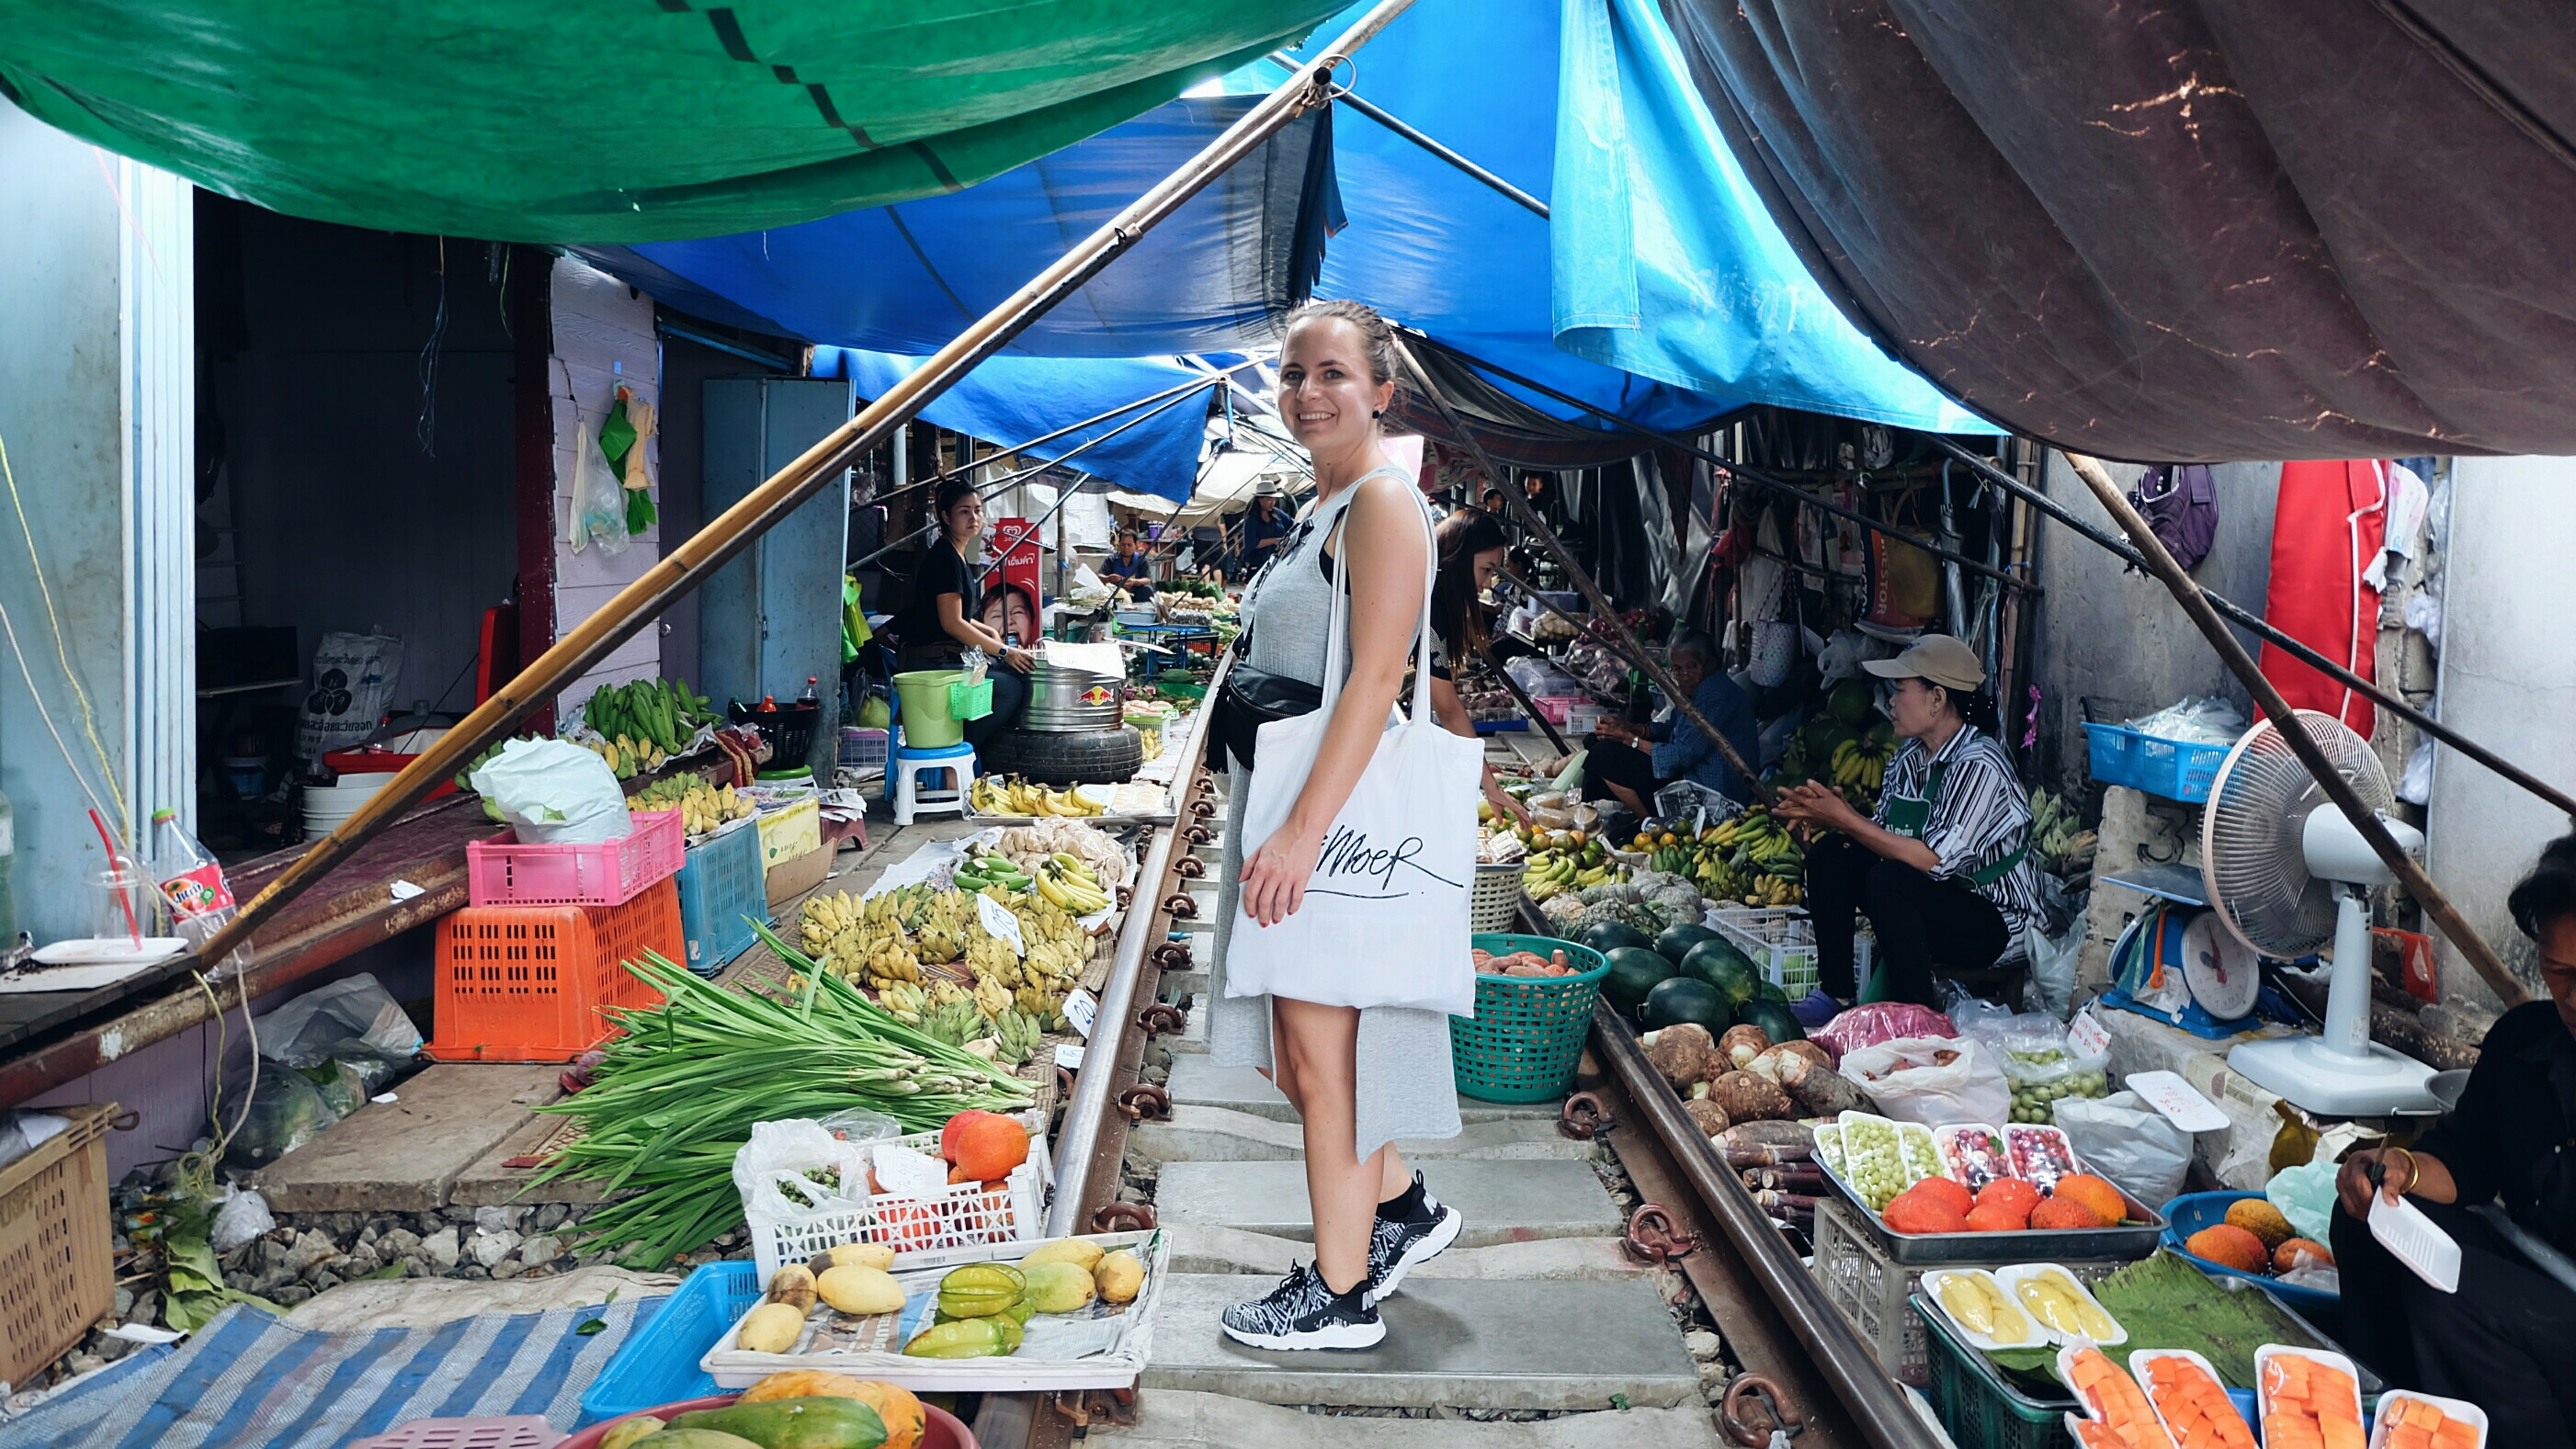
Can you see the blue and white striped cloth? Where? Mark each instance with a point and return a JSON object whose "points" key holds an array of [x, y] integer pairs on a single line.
{"points": [[250, 1381]]}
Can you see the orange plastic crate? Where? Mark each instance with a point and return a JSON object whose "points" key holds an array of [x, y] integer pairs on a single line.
{"points": [[528, 983]]}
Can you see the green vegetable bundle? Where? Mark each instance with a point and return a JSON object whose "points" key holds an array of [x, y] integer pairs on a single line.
{"points": [[675, 1097], [659, 712]]}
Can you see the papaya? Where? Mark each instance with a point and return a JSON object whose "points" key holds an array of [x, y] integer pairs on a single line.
{"points": [[626, 1431], [801, 1384], [821, 1422], [905, 1423], [702, 1439]]}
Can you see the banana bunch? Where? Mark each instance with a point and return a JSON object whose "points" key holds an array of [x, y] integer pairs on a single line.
{"points": [[956, 1022], [945, 992], [992, 960], [1761, 843], [838, 930], [1856, 765], [626, 758], [1016, 1035], [904, 905], [991, 998], [702, 806], [1549, 874], [1043, 1006], [1065, 881], [2058, 836], [904, 1001], [1012, 795], [1058, 947], [1153, 743], [660, 714]]}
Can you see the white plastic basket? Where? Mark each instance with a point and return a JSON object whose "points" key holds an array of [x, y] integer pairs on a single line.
{"points": [[1782, 942], [959, 1225], [1496, 899]]}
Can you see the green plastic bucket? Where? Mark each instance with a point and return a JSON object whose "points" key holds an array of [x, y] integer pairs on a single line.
{"points": [[928, 720], [1528, 1032]]}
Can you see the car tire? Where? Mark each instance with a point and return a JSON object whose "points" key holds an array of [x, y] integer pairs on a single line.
{"points": [[1095, 757]]}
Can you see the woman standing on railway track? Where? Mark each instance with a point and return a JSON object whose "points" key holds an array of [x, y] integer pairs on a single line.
{"points": [[1359, 1077]]}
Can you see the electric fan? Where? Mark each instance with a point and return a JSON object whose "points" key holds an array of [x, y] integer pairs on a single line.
{"points": [[2287, 873]]}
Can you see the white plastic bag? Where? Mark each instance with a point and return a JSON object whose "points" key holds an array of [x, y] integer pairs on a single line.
{"points": [[2129, 1142], [1934, 1080], [598, 513], [554, 792], [792, 1173], [243, 1216], [2052, 968]]}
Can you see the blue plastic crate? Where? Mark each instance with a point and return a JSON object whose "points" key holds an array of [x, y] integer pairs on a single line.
{"points": [[722, 881], [659, 1364], [2173, 769]]}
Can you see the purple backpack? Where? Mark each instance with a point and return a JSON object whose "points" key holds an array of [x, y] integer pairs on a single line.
{"points": [[2180, 502]]}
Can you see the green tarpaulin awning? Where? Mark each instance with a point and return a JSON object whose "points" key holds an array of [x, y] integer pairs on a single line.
{"points": [[581, 121]]}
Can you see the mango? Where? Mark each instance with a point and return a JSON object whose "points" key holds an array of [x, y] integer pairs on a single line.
{"points": [[879, 1256], [1059, 1287], [770, 1328], [810, 1423], [1080, 1252], [1119, 1276], [860, 1291]]}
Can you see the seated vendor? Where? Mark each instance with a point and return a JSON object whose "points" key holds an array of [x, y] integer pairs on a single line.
{"points": [[1629, 763], [1130, 569], [1943, 868], [935, 627], [2500, 1342]]}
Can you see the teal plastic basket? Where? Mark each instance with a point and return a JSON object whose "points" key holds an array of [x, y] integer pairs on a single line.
{"points": [[970, 701], [1528, 1031]]}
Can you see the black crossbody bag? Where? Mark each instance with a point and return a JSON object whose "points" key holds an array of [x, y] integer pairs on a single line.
{"points": [[1250, 697]]}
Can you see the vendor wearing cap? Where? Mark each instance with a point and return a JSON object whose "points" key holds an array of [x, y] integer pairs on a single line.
{"points": [[1942, 869], [1264, 527]]}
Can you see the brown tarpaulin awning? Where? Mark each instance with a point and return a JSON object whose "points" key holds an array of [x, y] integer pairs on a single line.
{"points": [[2200, 230]]}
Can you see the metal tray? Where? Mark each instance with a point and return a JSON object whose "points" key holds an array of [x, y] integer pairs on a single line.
{"points": [[2127, 1242]]}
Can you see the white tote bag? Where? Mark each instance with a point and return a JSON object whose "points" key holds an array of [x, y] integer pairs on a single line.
{"points": [[1384, 920]]}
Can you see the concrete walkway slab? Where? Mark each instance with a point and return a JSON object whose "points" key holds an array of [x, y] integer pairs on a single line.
{"points": [[1201, 1082], [1172, 1417], [1199, 1248], [501, 1177], [1459, 1343], [1505, 1202], [1178, 984], [1216, 1134], [403, 1155]]}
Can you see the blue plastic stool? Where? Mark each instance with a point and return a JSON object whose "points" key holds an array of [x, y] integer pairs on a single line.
{"points": [[908, 764]]}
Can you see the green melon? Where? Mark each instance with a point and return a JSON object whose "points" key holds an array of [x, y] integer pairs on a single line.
{"points": [[1724, 968], [1774, 1018], [1769, 992], [1851, 702], [1608, 936], [1634, 971], [1676, 941], [1681, 999]]}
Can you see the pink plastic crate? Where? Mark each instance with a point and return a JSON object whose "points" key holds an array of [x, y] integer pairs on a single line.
{"points": [[1554, 706], [502, 872], [518, 1431]]}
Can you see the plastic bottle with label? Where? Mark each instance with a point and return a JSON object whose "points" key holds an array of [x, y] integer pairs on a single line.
{"points": [[192, 881]]}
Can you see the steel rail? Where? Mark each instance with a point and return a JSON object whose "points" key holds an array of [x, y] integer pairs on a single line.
{"points": [[694, 560]]}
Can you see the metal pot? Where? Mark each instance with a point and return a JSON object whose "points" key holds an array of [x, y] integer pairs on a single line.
{"points": [[1072, 701]]}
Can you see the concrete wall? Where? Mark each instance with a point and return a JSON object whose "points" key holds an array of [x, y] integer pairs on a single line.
{"points": [[95, 415], [603, 336], [2119, 638], [2507, 680]]}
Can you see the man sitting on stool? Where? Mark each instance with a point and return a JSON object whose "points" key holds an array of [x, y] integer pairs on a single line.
{"points": [[1943, 868], [1630, 774]]}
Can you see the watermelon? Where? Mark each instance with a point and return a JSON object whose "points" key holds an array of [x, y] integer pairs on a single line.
{"points": [[1634, 971], [1767, 991], [1729, 971], [1608, 936], [1774, 1018], [1851, 702], [1681, 999], [1676, 941]]}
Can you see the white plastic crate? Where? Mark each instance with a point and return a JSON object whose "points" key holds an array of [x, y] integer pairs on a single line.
{"points": [[1782, 942], [1495, 902], [959, 1225]]}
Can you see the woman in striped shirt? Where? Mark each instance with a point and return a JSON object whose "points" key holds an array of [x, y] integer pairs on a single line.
{"points": [[1943, 868]]}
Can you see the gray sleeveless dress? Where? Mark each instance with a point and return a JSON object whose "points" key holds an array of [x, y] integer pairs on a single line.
{"points": [[1406, 1088]]}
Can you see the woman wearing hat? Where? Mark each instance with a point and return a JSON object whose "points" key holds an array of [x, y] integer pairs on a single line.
{"points": [[1942, 869], [1264, 527]]}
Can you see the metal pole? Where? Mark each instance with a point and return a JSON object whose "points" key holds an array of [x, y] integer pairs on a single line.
{"points": [[2295, 734], [2252, 623], [1411, 133], [1045, 438], [1622, 636], [694, 560]]}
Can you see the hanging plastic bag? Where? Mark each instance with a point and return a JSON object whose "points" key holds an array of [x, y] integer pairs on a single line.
{"points": [[793, 1174], [2052, 968], [554, 792], [2129, 1142], [598, 513], [353, 681], [1934, 1080]]}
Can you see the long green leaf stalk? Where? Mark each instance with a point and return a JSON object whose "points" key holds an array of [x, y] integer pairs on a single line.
{"points": [[674, 1098]]}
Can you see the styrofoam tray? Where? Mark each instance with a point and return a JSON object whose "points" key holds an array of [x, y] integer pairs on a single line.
{"points": [[2451, 1409], [2417, 1241], [1106, 1347], [2014, 1275], [2263, 1356], [2140, 1358], [1983, 1342]]}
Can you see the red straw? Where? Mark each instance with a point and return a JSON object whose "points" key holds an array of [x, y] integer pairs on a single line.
{"points": [[123, 898]]}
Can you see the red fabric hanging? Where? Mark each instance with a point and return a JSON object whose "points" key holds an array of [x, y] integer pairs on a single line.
{"points": [[2330, 522]]}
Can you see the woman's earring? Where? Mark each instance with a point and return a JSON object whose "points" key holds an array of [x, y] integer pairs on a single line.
{"points": [[1379, 413]]}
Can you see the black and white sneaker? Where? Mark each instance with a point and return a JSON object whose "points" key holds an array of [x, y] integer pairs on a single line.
{"points": [[1302, 1312], [1411, 1230]]}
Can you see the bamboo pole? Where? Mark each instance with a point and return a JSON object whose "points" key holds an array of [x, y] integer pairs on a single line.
{"points": [[693, 561], [2255, 624], [2294, 733], [1622, 636]]}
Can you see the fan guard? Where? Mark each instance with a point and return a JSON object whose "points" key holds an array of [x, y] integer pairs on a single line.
{"points": [[2250, 850]]}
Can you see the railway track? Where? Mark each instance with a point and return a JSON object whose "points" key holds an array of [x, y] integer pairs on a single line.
{"points": [[1618, 1286]]}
